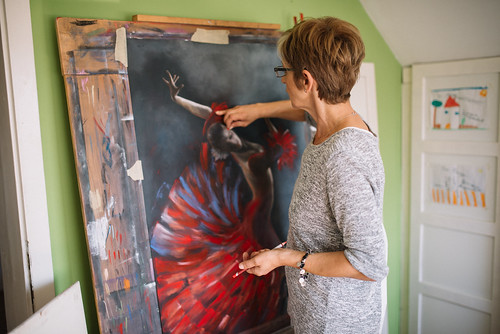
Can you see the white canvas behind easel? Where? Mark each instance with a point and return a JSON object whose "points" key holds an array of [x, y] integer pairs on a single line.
{"points": [[363, 96], [63, 314]]}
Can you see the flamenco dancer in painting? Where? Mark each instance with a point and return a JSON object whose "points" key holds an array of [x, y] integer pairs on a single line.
{"points": [[208, 221]]}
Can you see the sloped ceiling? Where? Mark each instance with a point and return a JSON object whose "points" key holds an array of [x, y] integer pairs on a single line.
{"points": [[422, 31]]}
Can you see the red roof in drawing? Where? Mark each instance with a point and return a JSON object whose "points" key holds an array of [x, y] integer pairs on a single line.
{"points": [[451, 102]]}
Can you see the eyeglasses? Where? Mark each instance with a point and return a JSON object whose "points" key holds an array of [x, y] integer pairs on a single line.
{"points": [[281, 71]]}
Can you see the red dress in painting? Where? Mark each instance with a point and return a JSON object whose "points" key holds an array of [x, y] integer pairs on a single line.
{"points": [[205, 226]]}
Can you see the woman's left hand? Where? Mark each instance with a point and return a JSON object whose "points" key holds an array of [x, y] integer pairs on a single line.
{"points": [[261, 262]]}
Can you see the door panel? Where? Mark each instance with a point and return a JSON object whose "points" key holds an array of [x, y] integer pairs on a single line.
{"points": [[454, 271], [444, 254], [443, 317]]}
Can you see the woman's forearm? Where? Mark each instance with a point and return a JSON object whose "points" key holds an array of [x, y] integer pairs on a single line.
{"points": [[279, 109], [330, 264], [243, 115]]}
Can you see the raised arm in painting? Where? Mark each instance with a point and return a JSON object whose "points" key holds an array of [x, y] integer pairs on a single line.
{"points": [[243, 115], [194, 108]]}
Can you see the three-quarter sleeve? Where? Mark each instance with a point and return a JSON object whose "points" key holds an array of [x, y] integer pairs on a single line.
{"points": [[355, 185]]}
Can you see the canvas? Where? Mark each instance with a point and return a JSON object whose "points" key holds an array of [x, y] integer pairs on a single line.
{"points": [[170, 197], [205, 206]]}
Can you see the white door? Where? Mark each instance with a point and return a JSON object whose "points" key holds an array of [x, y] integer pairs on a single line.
{"points": [[454, 269]]}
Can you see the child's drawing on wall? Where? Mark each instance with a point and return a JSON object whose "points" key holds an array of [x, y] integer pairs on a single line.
{"points": [[458, 185], [459, 108]]}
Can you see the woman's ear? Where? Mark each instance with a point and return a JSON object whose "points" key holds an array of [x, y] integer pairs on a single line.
{"points": [[308, 80]]}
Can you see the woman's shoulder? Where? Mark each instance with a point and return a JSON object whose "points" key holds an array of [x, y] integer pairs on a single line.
{"points": [[353, 146], [348, 144], [352, 138]]}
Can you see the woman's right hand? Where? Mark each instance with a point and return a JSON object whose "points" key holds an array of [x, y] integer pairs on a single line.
{"points": [[239, 116], [261, 262]]}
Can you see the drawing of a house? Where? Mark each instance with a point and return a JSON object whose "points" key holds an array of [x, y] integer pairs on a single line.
{"points": [[452, 113], [459, 108]]}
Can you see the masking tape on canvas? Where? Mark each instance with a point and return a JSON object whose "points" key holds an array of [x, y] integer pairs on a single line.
{"points": [[135, 172], [121, 46], [211, 36]]}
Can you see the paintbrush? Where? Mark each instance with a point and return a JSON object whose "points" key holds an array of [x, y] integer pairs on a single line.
{"points": [[281, 245]]}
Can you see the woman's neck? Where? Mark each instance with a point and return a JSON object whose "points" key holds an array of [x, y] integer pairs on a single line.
{"points": [[331, 118]]}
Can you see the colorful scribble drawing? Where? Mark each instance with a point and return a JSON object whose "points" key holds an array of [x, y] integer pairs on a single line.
{"points": [[459, 185], [207, 222], [459, 108]]}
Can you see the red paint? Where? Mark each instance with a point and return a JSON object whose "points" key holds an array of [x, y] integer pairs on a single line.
{"points": [[147, 300], [284, 141], [451, 102], [99, 126], [204, 158], [213, 117]]}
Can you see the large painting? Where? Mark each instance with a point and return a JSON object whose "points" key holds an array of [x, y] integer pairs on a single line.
{"points": [[212, 193], [171, 197]]}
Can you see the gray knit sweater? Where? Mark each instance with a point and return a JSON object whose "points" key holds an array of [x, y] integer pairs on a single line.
{"points": [[337, 206]]}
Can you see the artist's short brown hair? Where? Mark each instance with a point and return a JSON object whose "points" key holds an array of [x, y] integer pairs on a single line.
{"points": [[330, 49]]}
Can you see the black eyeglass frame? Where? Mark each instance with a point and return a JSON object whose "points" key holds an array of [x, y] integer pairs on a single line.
{"points": [[281, 71]]}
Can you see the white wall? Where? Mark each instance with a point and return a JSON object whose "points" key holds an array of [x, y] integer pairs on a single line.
{"points": [[437, 30]]}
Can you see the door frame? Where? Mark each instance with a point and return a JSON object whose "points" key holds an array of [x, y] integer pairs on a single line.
{"points": [[27, 268], [405, 193]]}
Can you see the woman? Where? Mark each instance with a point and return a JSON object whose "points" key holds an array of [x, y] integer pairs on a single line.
{"points": [[335, 258], [207, 221]]}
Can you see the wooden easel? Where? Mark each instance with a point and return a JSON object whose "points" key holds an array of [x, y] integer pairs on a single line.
{"points": [[105, 152]]}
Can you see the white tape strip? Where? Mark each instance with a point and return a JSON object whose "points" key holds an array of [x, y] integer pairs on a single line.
{"points": [[211, 36], [121, 46], [135, 172]]}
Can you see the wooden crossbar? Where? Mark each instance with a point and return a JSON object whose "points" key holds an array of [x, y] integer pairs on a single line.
{"points": [[206, 22]]}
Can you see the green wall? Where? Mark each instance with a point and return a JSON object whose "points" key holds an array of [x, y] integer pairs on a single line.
{"points": [[69, 250]]}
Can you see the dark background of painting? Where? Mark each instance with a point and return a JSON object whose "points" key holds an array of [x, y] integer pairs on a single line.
{"points": [[169, 137]]}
